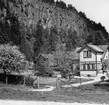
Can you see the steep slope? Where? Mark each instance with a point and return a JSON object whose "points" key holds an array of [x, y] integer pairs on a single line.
{"points": [[30, 11], [61, 24]]}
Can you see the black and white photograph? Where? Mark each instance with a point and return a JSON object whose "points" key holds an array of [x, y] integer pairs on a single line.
{"points": [[54, 52]]}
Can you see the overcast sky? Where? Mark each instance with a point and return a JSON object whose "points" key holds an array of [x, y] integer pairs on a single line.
{"points": [[97, 10]]}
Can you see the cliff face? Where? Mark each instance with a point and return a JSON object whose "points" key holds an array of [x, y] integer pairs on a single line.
{"points": [[29, 12]]}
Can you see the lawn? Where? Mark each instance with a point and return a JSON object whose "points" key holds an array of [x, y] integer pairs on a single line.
{"points": [[88, 93]]}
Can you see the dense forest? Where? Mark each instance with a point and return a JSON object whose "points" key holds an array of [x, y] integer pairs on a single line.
{"points": [[39, 25]]}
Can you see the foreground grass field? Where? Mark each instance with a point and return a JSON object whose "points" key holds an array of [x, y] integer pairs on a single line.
{"points": [[83, 94]]}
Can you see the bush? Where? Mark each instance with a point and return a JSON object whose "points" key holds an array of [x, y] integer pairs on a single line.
{"points": [[88, 75], [44, 71], [64, 74], [11, 59], [45, 74], [29, 81], [102, 78]]}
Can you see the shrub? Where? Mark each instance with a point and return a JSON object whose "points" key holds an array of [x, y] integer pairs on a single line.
{"points": [[29, 81], [102, 78], [89, 75], [63, 74], [11, 60], [45, 73]]}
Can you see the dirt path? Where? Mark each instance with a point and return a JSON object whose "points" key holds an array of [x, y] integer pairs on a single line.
{"points": [[95, 80], [83, 83]]}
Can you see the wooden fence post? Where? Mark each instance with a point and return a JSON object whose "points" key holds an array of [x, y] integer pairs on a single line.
{"points": [[58, 81], [38, 82], [6, 80], [24, 82]]}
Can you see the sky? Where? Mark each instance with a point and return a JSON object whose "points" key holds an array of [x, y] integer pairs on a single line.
{"points": [[96, 10]]}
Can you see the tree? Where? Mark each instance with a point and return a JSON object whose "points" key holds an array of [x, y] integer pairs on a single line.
{"points": [[4, 32], [51, 41], [11, 59], [71, 42], [70, 7], [38, 44], [49, 1], [38, 39], [15, 30], [27, 48], [61, 4], [61, 59]]}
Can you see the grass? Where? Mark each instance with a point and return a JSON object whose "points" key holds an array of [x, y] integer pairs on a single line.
{"points": [[83, 94]]}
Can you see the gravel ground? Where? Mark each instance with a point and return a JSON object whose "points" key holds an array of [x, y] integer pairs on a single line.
{"points": [[12, 102]]}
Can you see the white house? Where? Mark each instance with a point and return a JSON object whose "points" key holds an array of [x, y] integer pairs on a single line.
{"points": [[91, 57]]}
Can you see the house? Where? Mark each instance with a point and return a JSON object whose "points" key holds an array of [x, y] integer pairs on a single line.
{"points": [[91, 57]]}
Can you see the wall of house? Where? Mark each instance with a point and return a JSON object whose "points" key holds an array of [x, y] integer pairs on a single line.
{"points": [[86, 73], [82, 59], [106, 55], [99, 66], [90, 62], [99, 56]]}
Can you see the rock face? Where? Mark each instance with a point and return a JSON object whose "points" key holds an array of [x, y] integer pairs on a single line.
{"points": [[30, 11]]}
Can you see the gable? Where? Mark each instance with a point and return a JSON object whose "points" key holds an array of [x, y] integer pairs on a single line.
{"points": [[91, 47], [87, 53]]}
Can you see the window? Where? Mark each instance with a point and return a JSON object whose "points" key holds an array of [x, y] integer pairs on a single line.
{"points": [[87, 54], [88, 66], [84, 67], [93, 66]]}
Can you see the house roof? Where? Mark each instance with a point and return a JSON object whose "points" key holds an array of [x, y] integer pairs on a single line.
{"points": [[103, 47], [96, 48]]}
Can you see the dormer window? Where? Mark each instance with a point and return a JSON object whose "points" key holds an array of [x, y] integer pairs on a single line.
{"points": [[87, 54]]}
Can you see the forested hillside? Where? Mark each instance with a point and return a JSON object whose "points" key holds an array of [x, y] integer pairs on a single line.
{"points": [[39, 25]]}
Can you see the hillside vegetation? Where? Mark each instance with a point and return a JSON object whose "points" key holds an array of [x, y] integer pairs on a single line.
{"points": [[39, 25]]}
